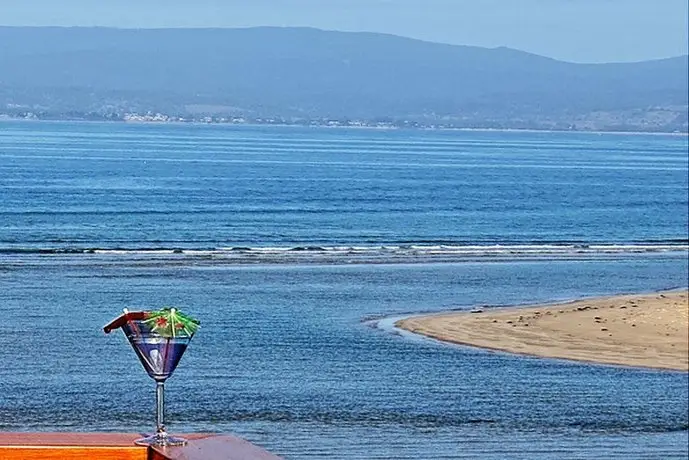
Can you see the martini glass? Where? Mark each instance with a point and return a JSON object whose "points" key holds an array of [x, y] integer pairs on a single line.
{"points": [[159, 339]]}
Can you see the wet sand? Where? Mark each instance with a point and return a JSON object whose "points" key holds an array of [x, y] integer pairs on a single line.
{"points": [[649, 330]]}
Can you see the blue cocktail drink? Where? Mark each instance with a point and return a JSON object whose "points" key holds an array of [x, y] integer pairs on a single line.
{"points": [[159, 339]]}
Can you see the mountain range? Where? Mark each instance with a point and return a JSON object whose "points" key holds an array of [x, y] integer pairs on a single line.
{"points": [[302, 74]]}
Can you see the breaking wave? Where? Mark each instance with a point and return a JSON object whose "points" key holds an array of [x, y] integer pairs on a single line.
{"points": [[315, 254]]}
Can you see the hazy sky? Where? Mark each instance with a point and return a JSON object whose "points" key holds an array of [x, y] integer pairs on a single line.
{"points": [[572, 30]]}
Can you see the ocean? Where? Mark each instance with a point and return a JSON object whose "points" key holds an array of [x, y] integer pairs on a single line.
{"points": [[296, 246]]}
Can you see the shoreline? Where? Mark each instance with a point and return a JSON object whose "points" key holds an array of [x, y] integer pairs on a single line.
{"points": [[374, 128], [636, 330]]}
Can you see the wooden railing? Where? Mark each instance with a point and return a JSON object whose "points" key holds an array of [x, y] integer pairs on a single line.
{"points": [[120, 446]]}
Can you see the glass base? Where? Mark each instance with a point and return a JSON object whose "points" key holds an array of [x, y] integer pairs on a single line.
{"points": [[160, 440]]}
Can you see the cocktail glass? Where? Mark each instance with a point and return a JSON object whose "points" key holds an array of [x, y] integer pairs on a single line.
{"points": [[159, 339]]}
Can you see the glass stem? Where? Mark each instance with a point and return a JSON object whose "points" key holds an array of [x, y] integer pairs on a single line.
{"points": [[160, 408]]}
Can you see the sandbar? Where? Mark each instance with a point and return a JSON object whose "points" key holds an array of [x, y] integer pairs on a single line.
{"points": [[645, 330]]}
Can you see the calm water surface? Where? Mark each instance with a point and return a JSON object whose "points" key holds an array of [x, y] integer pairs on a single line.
{"points": [[288, 243]]}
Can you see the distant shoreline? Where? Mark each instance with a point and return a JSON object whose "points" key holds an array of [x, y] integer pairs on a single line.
{"points": [[325, 126], [644, 330]]}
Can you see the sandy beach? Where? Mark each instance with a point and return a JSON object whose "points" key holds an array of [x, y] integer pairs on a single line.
{"points": [[649, 330]]}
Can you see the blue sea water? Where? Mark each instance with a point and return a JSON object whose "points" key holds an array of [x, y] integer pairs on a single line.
{"points": [[289, 244]]}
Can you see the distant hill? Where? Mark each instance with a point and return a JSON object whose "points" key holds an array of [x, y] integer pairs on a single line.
{"points": [[308, 74]]}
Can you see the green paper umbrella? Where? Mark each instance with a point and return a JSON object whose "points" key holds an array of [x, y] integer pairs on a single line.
{"points": [[170, 322]]}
